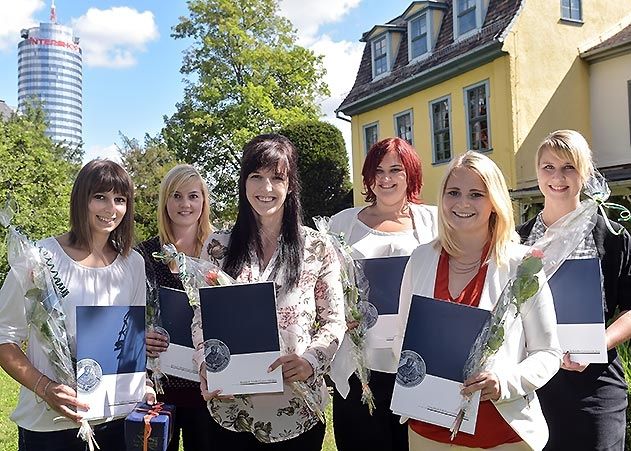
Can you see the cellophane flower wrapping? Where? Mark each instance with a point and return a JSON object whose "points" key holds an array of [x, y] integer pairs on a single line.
{"points": [[153, 324], [557, 244], [195, 274], [356, 289], [44, 291]]}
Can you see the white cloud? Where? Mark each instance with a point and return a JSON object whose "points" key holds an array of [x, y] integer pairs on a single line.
{"points": [[307, 20], [15, 16], [112, 37], [109, 152]]}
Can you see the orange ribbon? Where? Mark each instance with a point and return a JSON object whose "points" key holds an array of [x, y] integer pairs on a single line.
{"points": [[154, 411]]}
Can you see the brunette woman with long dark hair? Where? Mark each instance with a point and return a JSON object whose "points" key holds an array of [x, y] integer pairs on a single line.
{"points": [[269, 242]]}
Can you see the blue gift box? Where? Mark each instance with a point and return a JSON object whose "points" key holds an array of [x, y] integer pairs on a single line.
{"points": [[159, 428]]}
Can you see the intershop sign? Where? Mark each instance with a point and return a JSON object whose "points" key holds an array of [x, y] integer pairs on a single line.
{"points": [[55, 42]]}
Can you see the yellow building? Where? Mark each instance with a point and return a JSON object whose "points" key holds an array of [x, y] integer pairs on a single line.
{"points": [[490, 75]]}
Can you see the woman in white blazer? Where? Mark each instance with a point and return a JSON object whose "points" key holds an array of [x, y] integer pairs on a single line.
{"points": [[470, 263]]}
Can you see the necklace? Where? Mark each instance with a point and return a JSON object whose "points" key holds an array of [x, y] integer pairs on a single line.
{"points": [[463, 268]]}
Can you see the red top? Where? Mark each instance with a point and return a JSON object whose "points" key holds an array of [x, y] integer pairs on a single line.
{"points": [[491, 428]]}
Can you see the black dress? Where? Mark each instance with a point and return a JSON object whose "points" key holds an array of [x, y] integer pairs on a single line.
{"points": [[587, 410], [192, 417]]}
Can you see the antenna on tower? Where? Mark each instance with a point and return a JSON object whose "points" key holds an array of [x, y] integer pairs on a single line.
{"points": [[53, 12]]}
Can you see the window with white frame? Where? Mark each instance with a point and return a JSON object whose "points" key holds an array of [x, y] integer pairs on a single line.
{"points": [[371, 135], [465, 16], [476, 108], [571, 10], [379, 56], [441, 129], [419, 41], [403, 125]]}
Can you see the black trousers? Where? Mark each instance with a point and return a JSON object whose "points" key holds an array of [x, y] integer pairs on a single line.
{"points": [[225, 439], [356, 429], [110, 436], [193, 423]]}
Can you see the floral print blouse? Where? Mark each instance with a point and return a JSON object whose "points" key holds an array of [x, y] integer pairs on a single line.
{"points": [[311, 324]]}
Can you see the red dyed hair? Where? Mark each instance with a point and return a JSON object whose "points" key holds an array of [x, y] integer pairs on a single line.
{"points": [[410, 160]]}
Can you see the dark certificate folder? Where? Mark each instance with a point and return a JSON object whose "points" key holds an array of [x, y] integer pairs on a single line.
{"points": [[241, 338], [578, 302], [176, 315], [384, 276], [438, 338], [111, 358]]}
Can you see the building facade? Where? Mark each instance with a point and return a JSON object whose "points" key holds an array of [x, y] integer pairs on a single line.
{"points": [[50, 72], [494, 76]]}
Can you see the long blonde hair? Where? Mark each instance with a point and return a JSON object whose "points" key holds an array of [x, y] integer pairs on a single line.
{"points": [[569, 145], [501, 222], [173, 181]]}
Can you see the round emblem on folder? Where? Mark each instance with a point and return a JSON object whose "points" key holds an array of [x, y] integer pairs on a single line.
{"points": [[411, 370], [89, 374], [369, 314], [163, 331], [216, 354]]}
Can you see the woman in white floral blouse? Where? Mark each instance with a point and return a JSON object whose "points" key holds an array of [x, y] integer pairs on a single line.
{"points": [[269, 242]]}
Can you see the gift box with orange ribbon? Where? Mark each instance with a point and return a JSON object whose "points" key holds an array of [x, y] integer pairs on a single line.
{"points": [[149, 427]]}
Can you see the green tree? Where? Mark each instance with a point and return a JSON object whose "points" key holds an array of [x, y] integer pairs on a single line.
{"points": [[323, 167], [248, 77], [36, 176], [147, 165]]}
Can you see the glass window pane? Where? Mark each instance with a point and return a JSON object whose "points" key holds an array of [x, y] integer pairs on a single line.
{"points": [[370, 136], [466, 22], [404, 127]]}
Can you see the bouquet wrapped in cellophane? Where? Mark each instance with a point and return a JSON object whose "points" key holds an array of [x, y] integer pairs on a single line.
{"points": [[44, 290], [195, 274], [356, 288], [153, 324], [547, 253]]}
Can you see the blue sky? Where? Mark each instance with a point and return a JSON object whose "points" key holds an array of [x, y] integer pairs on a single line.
{"points": [[131, 73]]}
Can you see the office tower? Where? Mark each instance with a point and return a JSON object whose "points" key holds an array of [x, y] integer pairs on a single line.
{"points": [[50, 70]]}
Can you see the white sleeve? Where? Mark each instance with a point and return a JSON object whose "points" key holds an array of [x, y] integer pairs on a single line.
{"points": [[13, 326]]}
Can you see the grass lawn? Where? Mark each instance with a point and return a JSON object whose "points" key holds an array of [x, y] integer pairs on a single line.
{"points": [[8, 430]]}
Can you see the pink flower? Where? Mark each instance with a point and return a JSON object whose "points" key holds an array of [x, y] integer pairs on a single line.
{"points": [[212, 278], [537, 253]]}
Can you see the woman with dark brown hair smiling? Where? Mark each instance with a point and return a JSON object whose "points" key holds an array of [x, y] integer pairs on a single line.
{"points": [[269, 243]]}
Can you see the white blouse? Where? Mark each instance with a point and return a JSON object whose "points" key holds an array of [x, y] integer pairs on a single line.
{"points": [[317, 300], [366, 242], [120, 283]]}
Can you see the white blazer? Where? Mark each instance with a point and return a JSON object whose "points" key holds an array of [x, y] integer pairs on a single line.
{"points": [[530, 354]]}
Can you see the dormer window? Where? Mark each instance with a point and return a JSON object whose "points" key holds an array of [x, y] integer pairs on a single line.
{"points": [[468, 16], [419, 39], [380, 56], [465, 16]]}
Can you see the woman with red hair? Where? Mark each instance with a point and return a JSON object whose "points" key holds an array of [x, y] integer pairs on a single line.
{"points": [[393, 224]]}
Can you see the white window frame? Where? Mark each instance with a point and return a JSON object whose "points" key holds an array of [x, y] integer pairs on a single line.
{"points": [[479, 15], [487, 93], [409, 113], [566, 5], [364, 128], [435, 160], [428, 34], [373, 42]]}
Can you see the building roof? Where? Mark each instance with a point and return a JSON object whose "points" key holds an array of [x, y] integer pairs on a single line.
{"points": [[405, 78], [618, 43], [5, 110]]}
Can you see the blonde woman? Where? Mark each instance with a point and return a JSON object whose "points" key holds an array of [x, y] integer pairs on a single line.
{"points": [[470, 264], [585, 406], [183, 220]]}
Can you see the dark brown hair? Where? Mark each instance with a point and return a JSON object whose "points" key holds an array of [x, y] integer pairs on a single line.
{"points": [[271, 151], [101, 176]]}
